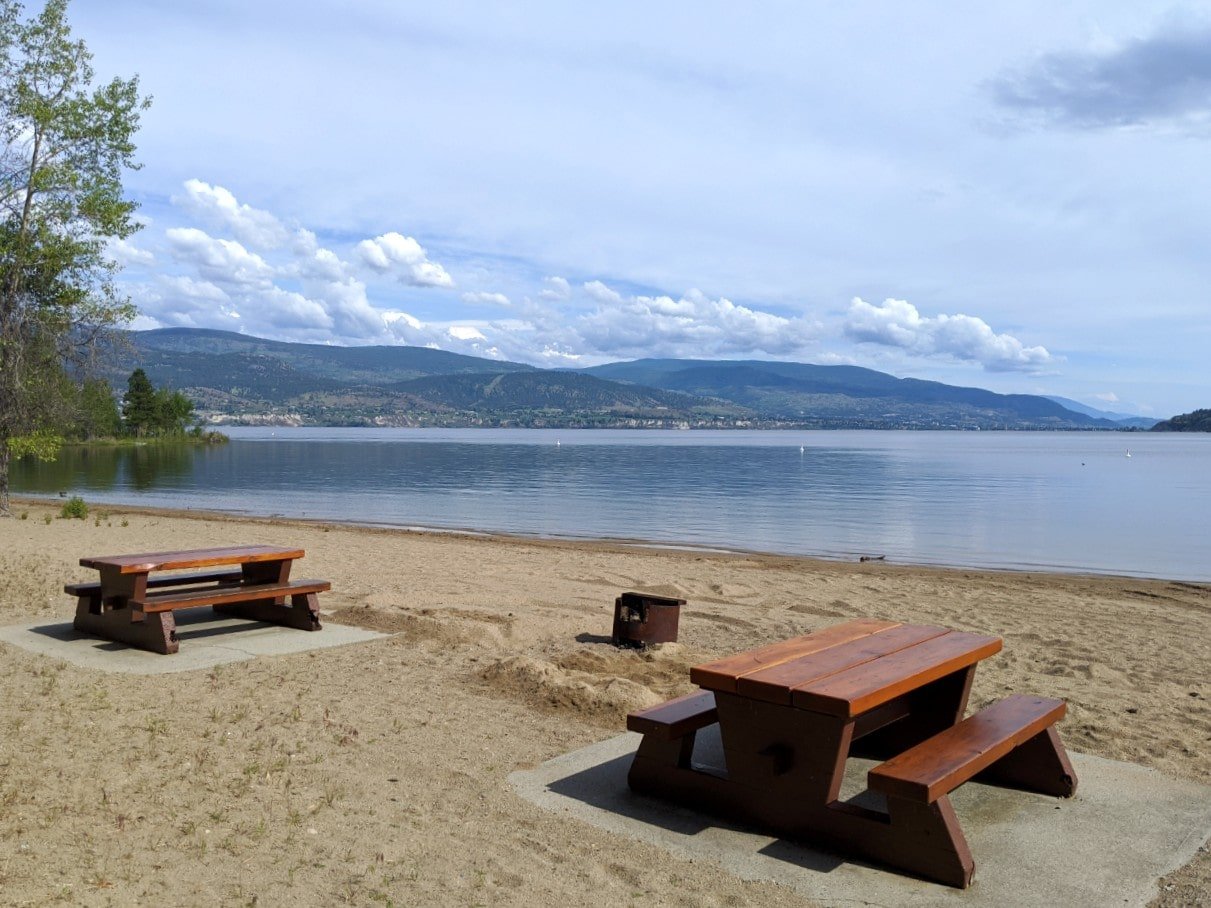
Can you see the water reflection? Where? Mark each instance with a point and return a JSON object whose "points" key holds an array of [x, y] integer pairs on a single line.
{"points": [[139, 467], [1054, 500]]}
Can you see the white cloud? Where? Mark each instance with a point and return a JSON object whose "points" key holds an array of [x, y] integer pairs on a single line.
{"points": [[350, 309], [127, 254], [403, 320], [560, 357], [237, 283], [224, 262], [254, 227], [555, 289], [897, 323], [188, 288], [181, 301], [296, 289], [404, 258], [406, 328], [602, 293], [694, 325], [322, 264], [293, 311], [1109, 397], [489, 299]]}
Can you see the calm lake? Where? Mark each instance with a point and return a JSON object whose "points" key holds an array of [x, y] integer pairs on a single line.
{"points": [[1119, 503]]}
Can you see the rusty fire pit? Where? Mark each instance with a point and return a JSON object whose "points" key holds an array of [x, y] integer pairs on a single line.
{"points": [[640, 619]]}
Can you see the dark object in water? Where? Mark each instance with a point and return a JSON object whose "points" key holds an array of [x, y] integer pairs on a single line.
{"points": [[873, 558], [640, 619]]}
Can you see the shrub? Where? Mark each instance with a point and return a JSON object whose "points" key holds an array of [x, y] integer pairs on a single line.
{"points": [[74, 507]]}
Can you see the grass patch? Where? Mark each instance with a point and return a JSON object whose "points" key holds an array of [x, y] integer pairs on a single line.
{"points": [[74, 508]]}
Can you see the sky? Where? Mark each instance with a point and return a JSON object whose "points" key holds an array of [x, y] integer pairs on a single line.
{"points": [[1012, 196]]}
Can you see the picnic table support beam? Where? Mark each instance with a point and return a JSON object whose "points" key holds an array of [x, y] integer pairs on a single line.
{"points": [[927, 710], [266, 571], [303, 612]]}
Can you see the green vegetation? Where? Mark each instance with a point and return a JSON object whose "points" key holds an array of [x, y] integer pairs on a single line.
{"points": [[75, 508], [147, 412], [1198, 421], [65, 146]]}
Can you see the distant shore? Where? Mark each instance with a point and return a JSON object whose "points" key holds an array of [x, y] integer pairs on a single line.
{"points": [[377, 772]]}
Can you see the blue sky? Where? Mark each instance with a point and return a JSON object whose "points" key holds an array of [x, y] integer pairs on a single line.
{"points": [[1012, 195]]}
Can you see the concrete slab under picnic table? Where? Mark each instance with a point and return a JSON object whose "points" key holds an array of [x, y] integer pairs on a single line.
{"points": [[207, 639], [1126, 827]]}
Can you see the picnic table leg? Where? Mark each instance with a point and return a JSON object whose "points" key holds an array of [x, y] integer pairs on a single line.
{"points": [[156, 632], [656, 759], [1040, 764], [926, 839], [108, 614], [302, 613], [793, 753]]}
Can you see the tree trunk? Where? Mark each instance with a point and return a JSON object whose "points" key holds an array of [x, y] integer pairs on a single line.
{"points": [[5, 457]]}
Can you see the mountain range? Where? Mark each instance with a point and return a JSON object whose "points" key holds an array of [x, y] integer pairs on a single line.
{"points": [[233, 378]]}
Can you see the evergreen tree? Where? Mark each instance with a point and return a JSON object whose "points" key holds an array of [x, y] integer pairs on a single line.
{"points": [[140, 413], [63, 148]]}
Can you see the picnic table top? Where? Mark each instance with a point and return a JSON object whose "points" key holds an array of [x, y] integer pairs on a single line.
{"points": [[145, 562], [847, 669]]}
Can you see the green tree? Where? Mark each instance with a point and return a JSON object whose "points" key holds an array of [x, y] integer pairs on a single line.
{"points": [[139, 410], [148, 410], [64, 145], [174, 411], [99, 416]]}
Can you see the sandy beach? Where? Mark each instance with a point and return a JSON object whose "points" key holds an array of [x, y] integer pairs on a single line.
{"points": [[376, 773]]}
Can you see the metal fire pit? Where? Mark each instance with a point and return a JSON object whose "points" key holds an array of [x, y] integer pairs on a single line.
{"points": [[640, 619]]}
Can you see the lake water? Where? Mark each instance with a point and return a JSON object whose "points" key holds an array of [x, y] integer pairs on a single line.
{"points": [[1054, 501]]}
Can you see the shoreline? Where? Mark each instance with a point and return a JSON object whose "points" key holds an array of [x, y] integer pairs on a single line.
{"points": [[378, 771], [619, 543]]}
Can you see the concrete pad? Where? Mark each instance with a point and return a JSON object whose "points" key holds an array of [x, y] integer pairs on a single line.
{"points": [[1126, 827], [206, 639]]}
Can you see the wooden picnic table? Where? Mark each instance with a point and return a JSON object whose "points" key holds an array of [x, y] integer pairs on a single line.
{"points": [[790, 714], [129, 605]]}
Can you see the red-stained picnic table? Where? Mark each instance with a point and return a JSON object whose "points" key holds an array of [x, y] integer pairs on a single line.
{"points": [[790, 714], [129, 605]]}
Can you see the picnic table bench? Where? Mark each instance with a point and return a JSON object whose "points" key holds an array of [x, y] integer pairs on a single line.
{"points": [[790, 714], [127, 604]]}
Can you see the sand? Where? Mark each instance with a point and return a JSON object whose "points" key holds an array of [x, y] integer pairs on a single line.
{"points": [[376, 773]]}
